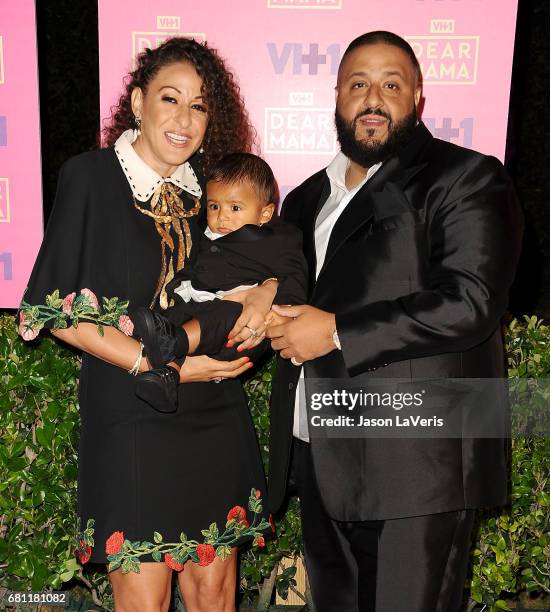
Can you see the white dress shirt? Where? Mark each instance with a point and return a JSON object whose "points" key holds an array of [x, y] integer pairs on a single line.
{"points": [[340, 196]]}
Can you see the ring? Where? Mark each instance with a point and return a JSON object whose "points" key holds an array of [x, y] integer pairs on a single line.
{"points": [[218, 379], [253, 332], [293, 361]]}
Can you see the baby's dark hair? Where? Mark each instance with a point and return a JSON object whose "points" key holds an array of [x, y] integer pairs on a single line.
{"points": [[249, 168]]}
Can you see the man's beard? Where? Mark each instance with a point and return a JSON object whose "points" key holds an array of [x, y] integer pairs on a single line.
{"points": [[366, 153]]}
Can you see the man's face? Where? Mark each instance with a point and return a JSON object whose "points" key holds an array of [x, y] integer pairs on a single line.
{"points": [[376, 100]]}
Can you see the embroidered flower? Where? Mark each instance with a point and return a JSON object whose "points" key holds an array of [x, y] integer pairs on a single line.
{"points": [[272, 523], [84, 552], [169, 560], [92, 298], [68, 303], [26, 332], [125, 325], [125, 554], [258, 494], [60, 313], [206, 554], [84, 541], [114, 543], [238, 514]]}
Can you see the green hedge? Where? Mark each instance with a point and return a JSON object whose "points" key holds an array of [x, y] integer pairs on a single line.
{"points": [[38, 464]]}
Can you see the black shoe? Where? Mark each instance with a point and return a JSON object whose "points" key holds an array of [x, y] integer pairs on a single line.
{"points": [[158, 334], [159, 388]]}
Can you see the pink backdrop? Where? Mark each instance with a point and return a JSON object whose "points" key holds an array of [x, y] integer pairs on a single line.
{"points": [[285, 54], [20, 172]]}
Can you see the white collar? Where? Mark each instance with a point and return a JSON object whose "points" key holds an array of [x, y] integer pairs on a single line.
{"points": [[212, 235], [142, 178], [336, 172]]}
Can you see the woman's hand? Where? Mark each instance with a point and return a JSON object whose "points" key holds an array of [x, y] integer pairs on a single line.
{"points": [[250, 326], [205, 369]]}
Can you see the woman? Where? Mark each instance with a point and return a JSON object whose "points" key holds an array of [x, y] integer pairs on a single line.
{"points": [[153, 487]]}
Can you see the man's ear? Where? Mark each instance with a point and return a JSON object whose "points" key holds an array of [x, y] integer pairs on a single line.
{"points": [[136, 100], [417, 95], [267, 212]]}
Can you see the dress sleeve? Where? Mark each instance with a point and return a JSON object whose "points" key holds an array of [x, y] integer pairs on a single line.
{"points": [[64, 287]]}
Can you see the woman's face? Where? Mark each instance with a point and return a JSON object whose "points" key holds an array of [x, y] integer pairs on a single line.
{"points": [[174, 117]]}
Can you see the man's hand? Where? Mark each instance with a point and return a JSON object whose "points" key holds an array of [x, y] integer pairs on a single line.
{"points": [[305, 335]]}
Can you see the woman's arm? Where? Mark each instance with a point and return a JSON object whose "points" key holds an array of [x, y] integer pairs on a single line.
{"points": [[113, 347], [122, 351]]}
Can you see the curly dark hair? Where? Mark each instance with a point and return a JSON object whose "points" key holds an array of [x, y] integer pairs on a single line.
{"points": [[229, 128]]}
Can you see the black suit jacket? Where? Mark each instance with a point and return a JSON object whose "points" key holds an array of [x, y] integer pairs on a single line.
{"points": [[417, 270], [246, 256]]}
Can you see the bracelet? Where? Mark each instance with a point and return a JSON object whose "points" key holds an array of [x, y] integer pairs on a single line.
{"points": [[137, 364], [269, 279]]}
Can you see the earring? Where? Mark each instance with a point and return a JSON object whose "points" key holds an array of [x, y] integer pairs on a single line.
{"points": [[201, 150], [137, 121]]}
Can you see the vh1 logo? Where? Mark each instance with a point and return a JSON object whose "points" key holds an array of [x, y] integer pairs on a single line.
{"points": [[304, 58], [4, 200], [304, 131], [151, 40], [446, 60], [3, 131], [459, 131], [6, 262]]}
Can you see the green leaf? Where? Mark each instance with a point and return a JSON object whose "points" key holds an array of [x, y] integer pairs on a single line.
{"points": [[157, 537], [66, 576], [157, 556], [223, 552]]}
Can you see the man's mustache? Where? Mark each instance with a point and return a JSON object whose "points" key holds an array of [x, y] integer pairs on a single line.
{"points": [[371, 111]]}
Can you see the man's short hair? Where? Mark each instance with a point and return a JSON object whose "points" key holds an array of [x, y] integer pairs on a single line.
{"points": [[386, 38], [246, 168]]}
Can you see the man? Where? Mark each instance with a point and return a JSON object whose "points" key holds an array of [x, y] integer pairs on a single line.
{"points": [[412, 244]]}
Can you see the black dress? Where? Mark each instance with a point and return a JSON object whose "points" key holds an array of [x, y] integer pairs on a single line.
{"points": [[141, 471]]}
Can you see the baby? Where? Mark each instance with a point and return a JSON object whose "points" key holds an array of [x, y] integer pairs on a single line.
{"points": [[242, 246]]}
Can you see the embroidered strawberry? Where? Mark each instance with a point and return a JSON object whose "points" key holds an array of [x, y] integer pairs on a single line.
{"points": [[169, 560], [92, 298], [114, 543], [259, 542], [258, 494], [238, 513], [206, 554], [125, 325], [84, 552], [68, 303]]}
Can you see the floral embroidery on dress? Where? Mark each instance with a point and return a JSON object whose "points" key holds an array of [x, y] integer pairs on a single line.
{"points": [[85, 543], [71, 310], [125, 554]]}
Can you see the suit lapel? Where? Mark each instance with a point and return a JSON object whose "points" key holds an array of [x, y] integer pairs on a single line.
{"points": [[359, 211], [381, 194], [311, 207]]}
